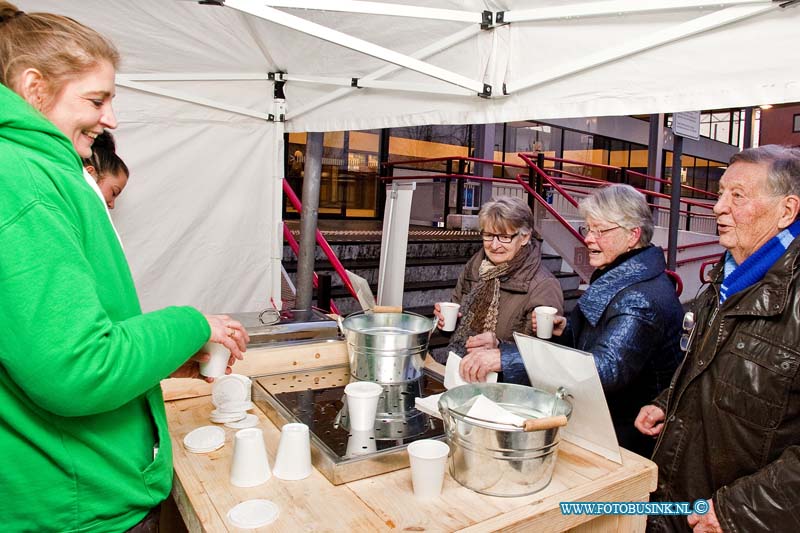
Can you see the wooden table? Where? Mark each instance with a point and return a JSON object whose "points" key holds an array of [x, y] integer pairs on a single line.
{"points": [[386, 502]]}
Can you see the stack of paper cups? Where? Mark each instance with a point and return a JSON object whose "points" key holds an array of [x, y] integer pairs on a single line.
{"points": [[362, 404], [250, 466], [294, 453]]}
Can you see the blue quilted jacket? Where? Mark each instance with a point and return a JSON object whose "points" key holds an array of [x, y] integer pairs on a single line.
{"points": [[630, 320]]}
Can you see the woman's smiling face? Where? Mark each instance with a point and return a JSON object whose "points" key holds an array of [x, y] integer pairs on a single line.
{"points": [[82, 108]]}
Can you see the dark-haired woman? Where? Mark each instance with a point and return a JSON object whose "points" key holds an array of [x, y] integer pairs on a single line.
{"points": [[106, 168]]}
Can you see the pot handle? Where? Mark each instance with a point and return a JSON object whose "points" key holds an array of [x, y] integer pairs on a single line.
{"points": [[548, 422], [387, 309]]}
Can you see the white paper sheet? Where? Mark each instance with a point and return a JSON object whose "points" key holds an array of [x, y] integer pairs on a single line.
{"points": [[485, 409], [429, 404], [550, 366]]}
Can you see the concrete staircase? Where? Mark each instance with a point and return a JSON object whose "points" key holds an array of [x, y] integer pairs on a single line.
{"points": [[432, 269]]}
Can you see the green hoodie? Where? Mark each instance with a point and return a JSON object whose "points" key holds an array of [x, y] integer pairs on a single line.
{"points": [[80, 404]]}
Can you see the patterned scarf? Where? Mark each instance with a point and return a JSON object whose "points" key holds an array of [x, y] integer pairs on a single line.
{"points": [[480, 307], [754, 268]]}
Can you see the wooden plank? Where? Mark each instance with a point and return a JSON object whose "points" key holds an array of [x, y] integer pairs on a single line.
{"points": [[203, 494], [631, 481], [576, 478], [265, 360], [203, 490]]}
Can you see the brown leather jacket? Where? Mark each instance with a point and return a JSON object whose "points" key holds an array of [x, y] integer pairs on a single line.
{"points": [[531, 285], [732, 430]]}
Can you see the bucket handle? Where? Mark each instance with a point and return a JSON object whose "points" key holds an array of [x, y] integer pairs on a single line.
{"points": [[548, 422], [529, 424], [387, 309]]}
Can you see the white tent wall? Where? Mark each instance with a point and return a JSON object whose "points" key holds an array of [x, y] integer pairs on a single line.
{"points": [[197, 219], [201, 217]]}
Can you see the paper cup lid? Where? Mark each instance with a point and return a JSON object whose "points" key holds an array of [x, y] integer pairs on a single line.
{"points": [[249, 421], [206, 438], [227, 417], [227, 389], [234, 407], [253, 513]]}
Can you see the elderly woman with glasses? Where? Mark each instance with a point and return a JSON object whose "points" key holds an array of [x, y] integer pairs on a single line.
{"points": [[501, 284], [630, 317]]}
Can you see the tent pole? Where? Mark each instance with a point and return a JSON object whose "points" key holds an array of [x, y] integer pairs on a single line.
{"points": [[308, 219], [675, 202]]}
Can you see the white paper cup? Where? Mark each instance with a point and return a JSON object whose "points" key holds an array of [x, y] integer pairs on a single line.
{"points": [[250, 465], [361, 442], [294, 453], [450, 313], [428, 460], [362, 404], [544, 321], [216, 365]]}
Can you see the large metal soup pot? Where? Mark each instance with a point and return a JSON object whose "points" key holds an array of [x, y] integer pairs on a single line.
{"points": [[387, 347]]}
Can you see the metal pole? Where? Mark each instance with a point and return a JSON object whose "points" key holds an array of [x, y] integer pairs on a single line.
{"points": [[655, 150], [308, 220], [748, 128], [675, 203]]}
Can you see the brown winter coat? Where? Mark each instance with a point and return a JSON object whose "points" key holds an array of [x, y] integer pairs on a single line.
{"points": [[531, 285], [732, 428]]}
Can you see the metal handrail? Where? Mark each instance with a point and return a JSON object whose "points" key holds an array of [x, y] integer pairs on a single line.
{"points": [[293, 244], [637, 173], [321, 241], [554, 182]]}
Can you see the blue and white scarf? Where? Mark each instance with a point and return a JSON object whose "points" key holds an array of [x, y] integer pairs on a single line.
{"points": [[739, 277]]}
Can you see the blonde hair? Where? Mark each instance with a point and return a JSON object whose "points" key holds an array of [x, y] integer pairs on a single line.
{"points": [[57, 46]]}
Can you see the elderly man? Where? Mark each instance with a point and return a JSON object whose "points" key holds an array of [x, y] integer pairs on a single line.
{"points": [[729, 424]]}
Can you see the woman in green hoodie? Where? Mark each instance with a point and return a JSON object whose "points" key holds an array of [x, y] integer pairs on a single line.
{"points": [[83, 429]]}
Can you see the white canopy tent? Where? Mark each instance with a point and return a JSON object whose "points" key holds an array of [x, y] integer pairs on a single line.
{"points": [[202, 131]]}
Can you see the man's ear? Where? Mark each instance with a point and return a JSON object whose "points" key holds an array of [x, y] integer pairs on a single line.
{"points": [[789, 209], [33, 88]]}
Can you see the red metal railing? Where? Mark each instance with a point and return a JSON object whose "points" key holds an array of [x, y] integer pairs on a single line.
{"points": [[321, 241], [287, 234], [574, 179]]}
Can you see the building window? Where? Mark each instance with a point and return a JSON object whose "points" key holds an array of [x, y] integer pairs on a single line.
{"points": [[796, 124]]}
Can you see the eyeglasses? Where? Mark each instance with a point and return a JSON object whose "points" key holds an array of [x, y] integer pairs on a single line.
{"points": [[597, 233], [504, 239], [688, 328]]}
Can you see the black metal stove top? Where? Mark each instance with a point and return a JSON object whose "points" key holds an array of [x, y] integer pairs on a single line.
{"points": [[316, 398]]}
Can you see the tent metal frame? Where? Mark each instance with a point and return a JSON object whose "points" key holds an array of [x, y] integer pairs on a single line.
{"points": [[377, 8], [319, 31], [456, 84]]}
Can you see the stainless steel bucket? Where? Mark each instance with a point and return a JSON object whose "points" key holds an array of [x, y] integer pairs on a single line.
{"points": [[500, 459], [387, 347]]}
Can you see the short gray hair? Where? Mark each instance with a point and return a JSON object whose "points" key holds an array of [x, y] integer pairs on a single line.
{"points": [[783, 166], [508, 213], [620, 204]]}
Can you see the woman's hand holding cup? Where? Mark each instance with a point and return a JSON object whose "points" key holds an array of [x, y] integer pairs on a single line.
{"points": [[559, 325], [227, 343]]}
